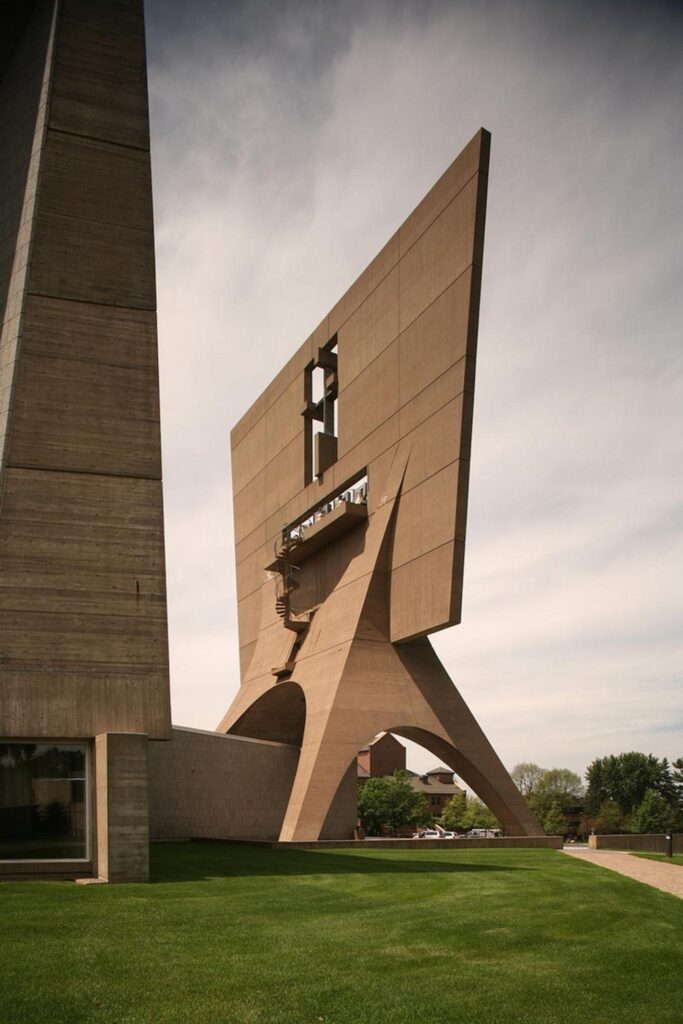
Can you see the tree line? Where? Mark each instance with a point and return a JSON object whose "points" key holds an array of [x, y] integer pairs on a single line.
{"points": [[632, 792]]}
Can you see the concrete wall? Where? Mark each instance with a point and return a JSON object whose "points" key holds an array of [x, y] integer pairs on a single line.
{"points": [[648, 843], [207, 785]]}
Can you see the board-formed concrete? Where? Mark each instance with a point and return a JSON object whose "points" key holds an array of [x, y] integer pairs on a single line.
{"points": [[83, 626], [336, 601]]}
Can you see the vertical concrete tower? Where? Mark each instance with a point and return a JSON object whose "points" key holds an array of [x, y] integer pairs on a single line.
{"points": [[83, 631], [350, 477]]}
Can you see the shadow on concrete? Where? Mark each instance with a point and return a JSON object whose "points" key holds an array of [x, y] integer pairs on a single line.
{"points": [[193, 862]]}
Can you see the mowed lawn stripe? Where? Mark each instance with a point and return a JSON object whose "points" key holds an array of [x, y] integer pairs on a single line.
{"points": [[247, 934]]}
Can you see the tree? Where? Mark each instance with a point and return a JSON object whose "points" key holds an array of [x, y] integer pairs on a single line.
{"points": [[479, 816], [611, 819], [461, 814], [626, 778], [454, 814], [391, 802], [677, 775], [556, 786], [555, 823], [526, 775], [654, 814]]}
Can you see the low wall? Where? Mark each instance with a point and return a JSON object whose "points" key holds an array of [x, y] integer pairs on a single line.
{"points": [[208, 785], [650, 842], [503, 843]]}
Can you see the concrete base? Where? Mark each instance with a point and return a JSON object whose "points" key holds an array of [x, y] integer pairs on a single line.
{"points": [[646, 843]]}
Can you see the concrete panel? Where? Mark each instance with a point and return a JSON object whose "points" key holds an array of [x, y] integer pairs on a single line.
{"points": [[439, 256], [90, 333], [121, 779], [426, 518], [369, 330], [283, 418], [100, 86], [285, 475], [421, 594], [364, 285], [108, 417], [92, 263], [457, 379], [250, 507], [436, 339], [370, 399], [249, 456], [435, 444], [249, 617], [474, 158]]}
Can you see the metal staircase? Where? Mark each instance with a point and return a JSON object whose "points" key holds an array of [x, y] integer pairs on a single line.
{"points": [[286, 586]]}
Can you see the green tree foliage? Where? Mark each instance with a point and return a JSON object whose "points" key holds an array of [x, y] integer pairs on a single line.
{"points": [[454, 814], [556, 786], [653, 814], [611, 819], [677, 776], [626, 778], [526, 775], [461, 814], [391, 802], [554, 823]]}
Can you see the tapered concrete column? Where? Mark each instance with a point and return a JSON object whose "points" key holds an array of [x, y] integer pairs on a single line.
{"points": [[122, 807]]}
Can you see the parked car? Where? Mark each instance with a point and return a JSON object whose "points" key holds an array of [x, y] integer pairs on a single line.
{"points": [[483, 833], [448, 835], [429, 833]]}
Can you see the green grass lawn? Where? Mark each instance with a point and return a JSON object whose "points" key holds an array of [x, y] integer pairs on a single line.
{"points": [[676, 859], [231, 934]]}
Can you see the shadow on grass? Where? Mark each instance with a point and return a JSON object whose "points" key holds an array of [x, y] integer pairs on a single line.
{"points": [[193, 862]]}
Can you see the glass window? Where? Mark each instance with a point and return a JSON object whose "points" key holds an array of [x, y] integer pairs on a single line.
{"points": [[42, 801]]}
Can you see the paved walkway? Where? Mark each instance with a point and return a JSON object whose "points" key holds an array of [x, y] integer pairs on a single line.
{"points": [[667, 877]]}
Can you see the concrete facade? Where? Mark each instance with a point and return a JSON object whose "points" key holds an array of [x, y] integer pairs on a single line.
{"points": [[350, 542], [83, 630]]}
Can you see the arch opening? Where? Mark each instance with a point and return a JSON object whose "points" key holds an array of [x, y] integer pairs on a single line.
{"points": [[279, 715]]}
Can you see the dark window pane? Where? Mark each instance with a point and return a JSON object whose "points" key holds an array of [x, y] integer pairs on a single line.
{"points": [[42, 801]]}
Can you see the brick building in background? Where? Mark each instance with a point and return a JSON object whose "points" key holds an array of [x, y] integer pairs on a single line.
{"points": [[386, 756]]}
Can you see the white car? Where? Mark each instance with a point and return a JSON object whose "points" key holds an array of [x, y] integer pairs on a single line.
{"points": [[448, 835]]}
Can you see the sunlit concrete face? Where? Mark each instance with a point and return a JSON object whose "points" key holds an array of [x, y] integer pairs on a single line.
{"points": [[350, 477], [83, 634]]}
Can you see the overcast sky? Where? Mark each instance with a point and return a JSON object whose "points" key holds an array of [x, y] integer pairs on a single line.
{"points": [[289, 141]]}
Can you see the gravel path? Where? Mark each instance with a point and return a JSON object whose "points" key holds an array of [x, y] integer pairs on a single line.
{"points": [[667, 877]]}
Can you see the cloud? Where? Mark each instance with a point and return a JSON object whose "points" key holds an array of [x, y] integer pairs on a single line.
{"points": [[287, 147]]}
